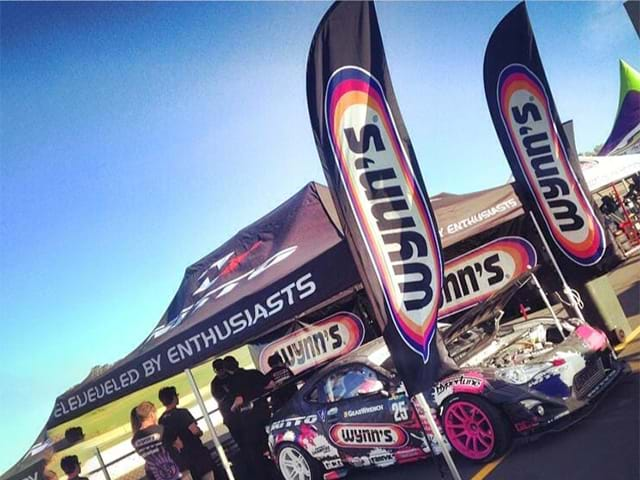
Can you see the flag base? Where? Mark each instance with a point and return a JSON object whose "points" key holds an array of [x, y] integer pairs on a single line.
{"points": [[437, 436]]}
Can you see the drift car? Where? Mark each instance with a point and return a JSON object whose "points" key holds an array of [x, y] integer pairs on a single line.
{"points": [[515, 378]]}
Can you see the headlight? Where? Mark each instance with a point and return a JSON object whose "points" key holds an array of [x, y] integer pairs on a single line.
{"points": [[521, 373]]}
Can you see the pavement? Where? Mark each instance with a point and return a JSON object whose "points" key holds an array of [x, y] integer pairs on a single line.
{"points": [[604, 445]]}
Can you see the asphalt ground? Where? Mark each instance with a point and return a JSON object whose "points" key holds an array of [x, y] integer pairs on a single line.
{"points": [[603, 445]]}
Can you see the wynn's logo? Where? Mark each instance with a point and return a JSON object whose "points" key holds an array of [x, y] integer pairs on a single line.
{"points": [[315, 344], [391, 210], [525, 109], [368, 435], [476, 275]]}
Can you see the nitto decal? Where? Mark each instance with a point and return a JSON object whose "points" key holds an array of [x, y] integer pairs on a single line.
{"points": [[468, 382], [310, 346], [475, 276], [293, 422], [543, 160], [368, 435], [386, 200]]}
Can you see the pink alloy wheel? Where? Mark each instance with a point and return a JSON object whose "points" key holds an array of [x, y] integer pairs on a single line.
{"points": [[469, 430]]}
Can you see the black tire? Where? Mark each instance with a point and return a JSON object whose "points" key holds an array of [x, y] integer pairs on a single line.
{"points": [[314, 468], [489, 426]]}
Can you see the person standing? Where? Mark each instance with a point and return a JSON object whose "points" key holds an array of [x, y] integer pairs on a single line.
{"points": [[179, 423], [281, 381], [221, 392], [246, 388], [150, 443], [71, 466]]}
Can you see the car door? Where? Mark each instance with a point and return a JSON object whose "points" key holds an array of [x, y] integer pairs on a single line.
{"points": [[361, 418]]}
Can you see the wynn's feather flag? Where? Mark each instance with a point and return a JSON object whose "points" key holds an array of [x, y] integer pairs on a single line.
{"points": [[548, 180], [376, 183], [633, 9]]}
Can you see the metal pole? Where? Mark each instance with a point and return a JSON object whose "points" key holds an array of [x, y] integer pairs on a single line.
{"points": [[632, 227], [565, 287], [103, 467], [547, 303], [437, 436], [221, 453]]}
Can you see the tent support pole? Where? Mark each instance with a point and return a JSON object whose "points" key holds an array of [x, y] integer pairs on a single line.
{"points": [[565, 286], [216, 441], [103, 467], [437, 436]]}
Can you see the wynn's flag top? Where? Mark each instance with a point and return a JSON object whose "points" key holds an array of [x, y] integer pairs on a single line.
{"points": [[548, 180], [375, 181]]}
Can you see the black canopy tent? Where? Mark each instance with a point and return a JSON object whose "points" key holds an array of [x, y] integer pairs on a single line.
{"points": [[270, 272], [290, 262], [32, 464], [463, 216]]}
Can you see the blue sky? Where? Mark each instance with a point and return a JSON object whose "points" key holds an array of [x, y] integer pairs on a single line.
{"points": [[135, 138]]}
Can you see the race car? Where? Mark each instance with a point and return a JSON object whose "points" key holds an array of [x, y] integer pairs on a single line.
{"points": [[516, 378]]}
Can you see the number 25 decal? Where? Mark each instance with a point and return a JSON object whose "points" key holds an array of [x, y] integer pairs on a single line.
{"points": [[400, 412]]}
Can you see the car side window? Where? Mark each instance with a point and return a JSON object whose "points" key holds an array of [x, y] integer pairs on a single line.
{"points": [[347, 383], [312, 396]]}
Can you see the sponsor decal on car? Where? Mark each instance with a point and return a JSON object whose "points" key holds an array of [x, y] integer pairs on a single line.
{"points": [[358, 462], [524, 106], [475, 276], [381, 457], [293, 422], [363, 411], [407, 455], [387, 203], [332, 464], [317, 445], [368, 435], [312, 345], [400, 411], [468, 382]]}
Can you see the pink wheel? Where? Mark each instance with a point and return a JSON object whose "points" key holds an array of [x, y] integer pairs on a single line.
{"points": [[475, 428]]}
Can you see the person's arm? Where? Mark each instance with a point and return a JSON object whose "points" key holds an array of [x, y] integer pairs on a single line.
{"points": [[212, 388], [170, 438], [177, 444], [263, 379], [195, 429], [237, 402], [217, 391], [191, 423], [272, 383]]}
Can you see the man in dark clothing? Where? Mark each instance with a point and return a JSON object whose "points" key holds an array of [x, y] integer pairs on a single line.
{"points": [[71, 466], [221, 392], [278, 376], [179, 423], [245, 387]]}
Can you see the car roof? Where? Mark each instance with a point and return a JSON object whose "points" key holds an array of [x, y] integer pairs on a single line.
{"points": [[374, 352]]}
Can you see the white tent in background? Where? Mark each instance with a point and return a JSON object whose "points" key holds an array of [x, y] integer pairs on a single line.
{"points": [[602, 171]]}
